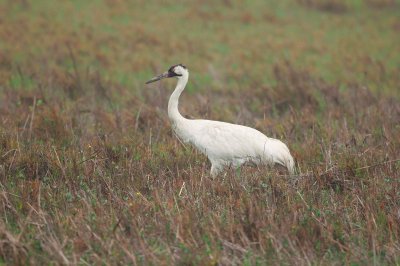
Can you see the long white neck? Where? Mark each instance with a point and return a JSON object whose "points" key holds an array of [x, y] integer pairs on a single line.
{"points": [[173, 112]]}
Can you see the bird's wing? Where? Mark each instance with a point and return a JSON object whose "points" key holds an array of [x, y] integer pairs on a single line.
{"points": [[224, 140]]}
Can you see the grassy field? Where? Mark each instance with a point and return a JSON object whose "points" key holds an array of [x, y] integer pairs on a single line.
{"points": [[91, 173]]}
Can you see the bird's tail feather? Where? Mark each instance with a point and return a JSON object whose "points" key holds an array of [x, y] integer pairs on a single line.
{"points": [[280, 154], [285, 159], [290, 164]]}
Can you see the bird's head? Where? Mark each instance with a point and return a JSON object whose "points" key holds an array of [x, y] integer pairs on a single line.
{"points": [[177, 71]]}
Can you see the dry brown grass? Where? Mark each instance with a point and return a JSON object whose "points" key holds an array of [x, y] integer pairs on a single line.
{"points": [[90, 172], [121, 189]]}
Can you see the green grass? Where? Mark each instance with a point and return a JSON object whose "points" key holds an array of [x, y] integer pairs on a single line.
{"points": [[91, 173]]}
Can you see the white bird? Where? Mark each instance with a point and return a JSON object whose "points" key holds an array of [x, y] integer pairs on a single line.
{"points": [[223, 143]]}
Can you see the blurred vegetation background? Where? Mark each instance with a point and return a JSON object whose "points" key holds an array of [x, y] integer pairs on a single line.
{"points": [[91, 172], [222, 42]]}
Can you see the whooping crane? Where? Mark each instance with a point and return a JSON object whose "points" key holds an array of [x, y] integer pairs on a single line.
{"points": [[223, 143]]}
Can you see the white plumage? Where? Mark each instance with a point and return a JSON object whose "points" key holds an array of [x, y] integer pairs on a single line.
{"points": [[223, 143]]}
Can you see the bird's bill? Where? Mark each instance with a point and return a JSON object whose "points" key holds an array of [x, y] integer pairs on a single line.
{"points": [[159, 77]]}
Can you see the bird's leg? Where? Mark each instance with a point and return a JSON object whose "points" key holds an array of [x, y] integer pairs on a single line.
{"points": [[215, 169], [238, 171]]}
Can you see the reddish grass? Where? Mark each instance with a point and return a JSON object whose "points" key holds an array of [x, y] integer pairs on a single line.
{"points": [[91, 173], [103, 186]]}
